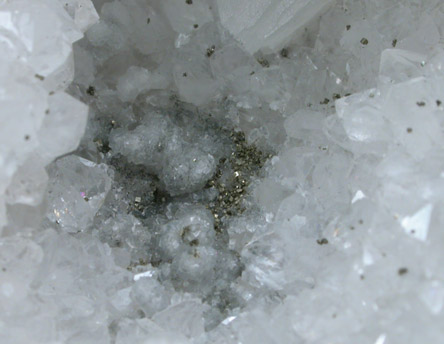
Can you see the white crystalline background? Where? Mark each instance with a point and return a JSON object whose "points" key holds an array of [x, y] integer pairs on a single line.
{"points": [[221, 171]]}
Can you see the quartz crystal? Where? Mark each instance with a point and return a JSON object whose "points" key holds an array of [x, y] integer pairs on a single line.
{"points": [[77, 191], [221, 171], [267, 24]]}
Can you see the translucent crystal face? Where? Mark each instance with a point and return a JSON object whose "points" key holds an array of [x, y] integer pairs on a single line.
{"points": [[77, 191]]}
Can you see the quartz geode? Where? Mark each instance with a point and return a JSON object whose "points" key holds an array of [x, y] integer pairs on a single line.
{"points": [[221, 171]]}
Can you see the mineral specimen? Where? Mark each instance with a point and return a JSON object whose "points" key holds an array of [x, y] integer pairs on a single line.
{"points": [[221, 171]]}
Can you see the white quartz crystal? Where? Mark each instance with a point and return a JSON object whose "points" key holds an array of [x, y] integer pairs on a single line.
{"points": [[267, 24], [77, 191], [82, 11], [36, 39]]}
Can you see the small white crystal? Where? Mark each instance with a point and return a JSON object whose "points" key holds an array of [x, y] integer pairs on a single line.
{"points": [[48, 48], [143, 275], [150, 296], [64, 123], [267, 24], [82, 11], [399, 65], [135, 81], [185, 18], [184, 318], [77, 190], [359, 195], [28, 184], [432, 295], [381, 339], [418, 224]]}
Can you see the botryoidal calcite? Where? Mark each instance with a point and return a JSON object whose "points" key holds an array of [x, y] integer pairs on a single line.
{"points": [[220, 171]]}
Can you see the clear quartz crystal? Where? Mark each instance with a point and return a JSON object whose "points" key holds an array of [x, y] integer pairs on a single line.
{"points": [[76, 192]]}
